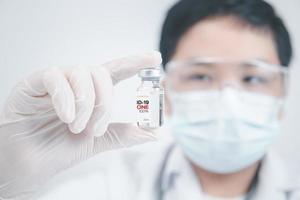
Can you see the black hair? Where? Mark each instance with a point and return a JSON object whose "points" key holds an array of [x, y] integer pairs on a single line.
{"points": [[256, 13]]}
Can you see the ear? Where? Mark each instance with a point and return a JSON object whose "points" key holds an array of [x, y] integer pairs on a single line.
{"points": [[167, 103]]}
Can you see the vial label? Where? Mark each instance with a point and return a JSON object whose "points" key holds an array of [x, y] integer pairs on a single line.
{"points": [[149, 107]]}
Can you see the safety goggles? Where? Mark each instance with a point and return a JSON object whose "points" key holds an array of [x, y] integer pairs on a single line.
{"points": [[205, 74]]}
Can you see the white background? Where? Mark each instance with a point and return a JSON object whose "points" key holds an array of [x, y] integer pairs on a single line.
{"points": [[35, 34]]}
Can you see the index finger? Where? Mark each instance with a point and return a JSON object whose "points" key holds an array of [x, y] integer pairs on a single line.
{"points": [[124, 68]]}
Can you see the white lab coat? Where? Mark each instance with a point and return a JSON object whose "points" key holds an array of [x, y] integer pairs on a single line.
{"points": [[136, 173]]}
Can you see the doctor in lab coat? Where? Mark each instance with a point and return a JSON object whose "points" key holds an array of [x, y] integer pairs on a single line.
{"points": [[226, 65]]}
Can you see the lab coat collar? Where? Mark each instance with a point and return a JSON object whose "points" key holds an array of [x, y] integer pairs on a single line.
{"points": [[176, 165]]}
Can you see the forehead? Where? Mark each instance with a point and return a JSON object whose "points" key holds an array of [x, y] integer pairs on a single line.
{"points": [[226, 37]]}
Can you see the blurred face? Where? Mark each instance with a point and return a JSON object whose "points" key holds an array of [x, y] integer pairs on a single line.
{"points": [[225, 85], [239, 56]]}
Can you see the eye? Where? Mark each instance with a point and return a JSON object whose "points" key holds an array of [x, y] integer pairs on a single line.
{"points": [[255, 79], [200, 77]]}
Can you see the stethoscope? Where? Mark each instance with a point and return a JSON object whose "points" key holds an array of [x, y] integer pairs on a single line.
{"points": [[161, 191]]}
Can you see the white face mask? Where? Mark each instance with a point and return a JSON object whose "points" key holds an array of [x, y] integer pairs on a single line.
{"points": [[224, 132]]}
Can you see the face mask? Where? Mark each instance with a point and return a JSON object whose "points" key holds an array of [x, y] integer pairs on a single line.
{"points": [[224, 132]]}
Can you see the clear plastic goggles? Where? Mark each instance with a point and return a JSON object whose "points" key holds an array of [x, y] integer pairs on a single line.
{"points": [[204, 74]]}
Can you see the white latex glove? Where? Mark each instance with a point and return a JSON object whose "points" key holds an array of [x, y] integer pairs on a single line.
{"points": [[51, 119]]}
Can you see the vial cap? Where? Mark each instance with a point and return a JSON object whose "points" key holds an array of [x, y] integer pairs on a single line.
{"points": [[150, 73]]}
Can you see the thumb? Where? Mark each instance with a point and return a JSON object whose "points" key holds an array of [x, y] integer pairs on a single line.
{"points": [[124, 68], [121, 135]]}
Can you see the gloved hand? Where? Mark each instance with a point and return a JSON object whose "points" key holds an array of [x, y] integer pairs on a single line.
{"points": [[56, 118]]}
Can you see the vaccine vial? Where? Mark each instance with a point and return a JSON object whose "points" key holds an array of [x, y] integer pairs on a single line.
{"points": [[150, 99]]}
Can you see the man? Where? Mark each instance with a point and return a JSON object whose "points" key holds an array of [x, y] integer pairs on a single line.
{"points": [[226, 65]]}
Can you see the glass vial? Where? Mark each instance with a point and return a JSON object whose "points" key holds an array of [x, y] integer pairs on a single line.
{"points": [[150, 99]]}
